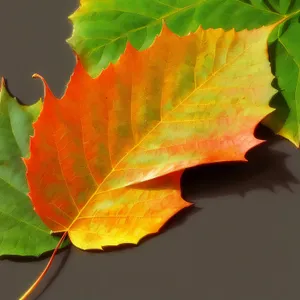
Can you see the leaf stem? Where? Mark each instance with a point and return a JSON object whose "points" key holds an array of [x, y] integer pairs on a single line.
{"points": [[34, 285]]}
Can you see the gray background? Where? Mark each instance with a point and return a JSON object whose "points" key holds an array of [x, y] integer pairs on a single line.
{"points": [[240, 242]]}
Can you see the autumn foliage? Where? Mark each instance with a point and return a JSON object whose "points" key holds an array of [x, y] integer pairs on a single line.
{"points": [[182, 102], [157, 88]]}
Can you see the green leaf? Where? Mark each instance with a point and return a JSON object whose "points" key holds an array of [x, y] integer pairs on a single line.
{"points": [[285, 57], [21, 230], [102, 29]]}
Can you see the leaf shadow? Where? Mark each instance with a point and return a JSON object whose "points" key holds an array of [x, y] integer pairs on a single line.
{"points": [[265, 169], [47, 282]]}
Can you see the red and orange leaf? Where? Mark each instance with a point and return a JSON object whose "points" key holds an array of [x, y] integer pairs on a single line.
{"points": [[182, 102]]}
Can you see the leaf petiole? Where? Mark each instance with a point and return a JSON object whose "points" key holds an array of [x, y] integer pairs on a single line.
{"points": [[34, 285]]}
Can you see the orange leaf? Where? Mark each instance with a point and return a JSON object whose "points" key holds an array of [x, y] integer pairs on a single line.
{"points": [[182, 102], [128, 214]]}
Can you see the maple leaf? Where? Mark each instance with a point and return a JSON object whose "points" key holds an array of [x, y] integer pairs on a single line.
{"points": [[22, 231], [102, 28], [182, 102]]}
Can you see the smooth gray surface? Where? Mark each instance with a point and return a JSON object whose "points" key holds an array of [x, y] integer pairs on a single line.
{"points": [[241, 242]]}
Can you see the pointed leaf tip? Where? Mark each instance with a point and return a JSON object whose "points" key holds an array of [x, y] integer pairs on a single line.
{"points": [[47, 90]]}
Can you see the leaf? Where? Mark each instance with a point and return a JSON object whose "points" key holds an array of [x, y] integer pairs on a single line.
{"points": [[182, 102], [22, 231], [286, 56], [102, 28]]}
